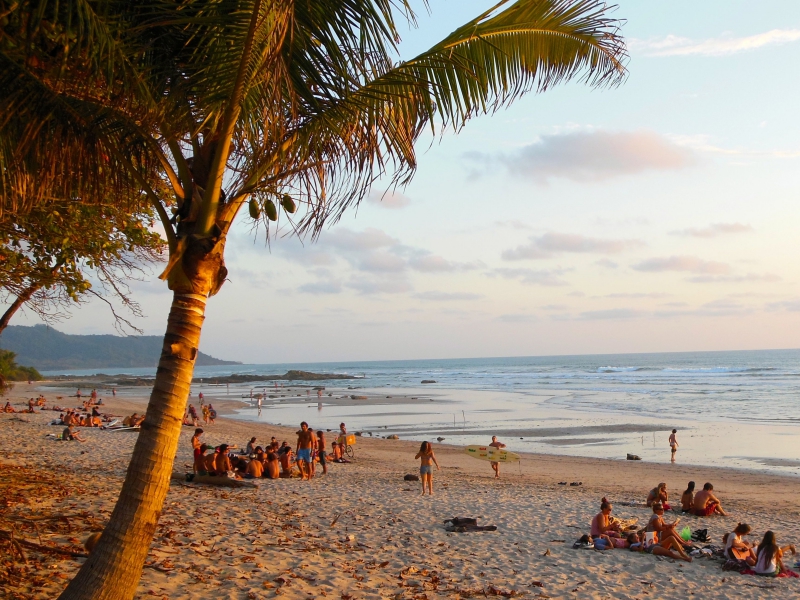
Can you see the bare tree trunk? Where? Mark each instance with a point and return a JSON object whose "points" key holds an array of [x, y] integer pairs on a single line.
{"points": [[15, 306], [114, 567]]}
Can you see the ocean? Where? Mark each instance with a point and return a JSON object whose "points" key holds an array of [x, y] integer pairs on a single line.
{"points": [[737, 409]]}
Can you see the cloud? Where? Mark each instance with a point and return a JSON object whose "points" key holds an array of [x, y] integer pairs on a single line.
{"points": [[381, 262], [715, 229], [605, 262], [447, 296], [321, 287], [517, 318], [389, 199], [551, 243], [637, 295], [431, 263], [349, 240], [788, 305], [612, 313], [369, 287], [691, 264], [748, 277], [672, 45], [531, 276], [588, 156]]}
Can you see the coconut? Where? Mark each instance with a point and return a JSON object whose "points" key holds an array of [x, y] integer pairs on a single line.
{"points": [[255, 209], [271, 210], [288, 204]]}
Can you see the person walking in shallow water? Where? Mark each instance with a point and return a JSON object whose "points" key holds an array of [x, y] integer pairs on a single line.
{"points": [[673, 443], [496, 465]]}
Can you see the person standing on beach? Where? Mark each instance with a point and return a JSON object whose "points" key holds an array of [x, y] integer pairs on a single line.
{"points": [[673, 443], [304, 438], [323, 454], [427, 460], [496, 465]]}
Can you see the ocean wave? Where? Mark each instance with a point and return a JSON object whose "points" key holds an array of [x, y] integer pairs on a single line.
{"points": [[623, 369]]}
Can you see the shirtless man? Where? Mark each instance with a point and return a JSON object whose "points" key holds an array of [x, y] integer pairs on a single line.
{"points": [[314, 443], [706, 503], [273, 466], [200, 457], [323, 454], [210, 461], [223, 463], [304, 444], [286, 461], [496, 465], [254, 469]]}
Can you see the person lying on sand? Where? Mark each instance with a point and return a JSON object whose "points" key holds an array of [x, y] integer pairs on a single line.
{"points": [[601, 542], [663, 529], [659, 494], [272, 470], [70, 435], [668, 547], [601, 523], [127, 421], [687, 499], [738, 549], [769, 561], [706, 503]]}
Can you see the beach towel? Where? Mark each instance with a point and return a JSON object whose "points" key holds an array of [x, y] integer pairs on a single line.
{"points": [[785, 573]]}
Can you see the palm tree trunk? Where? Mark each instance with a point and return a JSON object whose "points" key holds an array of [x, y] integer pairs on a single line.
{"points": [[114, 567], [15, 306]]}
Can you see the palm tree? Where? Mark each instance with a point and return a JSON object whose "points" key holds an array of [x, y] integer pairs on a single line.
{"points": [[296, 105]]}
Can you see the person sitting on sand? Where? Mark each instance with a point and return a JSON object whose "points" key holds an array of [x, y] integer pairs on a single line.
{"points": [[286, 461], [69, 435], [223, 463], [272, 470], [769, 561], [254, 469], [668, 547], [210, 461], [427, 460], [687, 499], [199, 465], [126, 422], [663, 529], [96, 421], [601, 523], [31, 404], [250, 449], [138, 421], [706, 503], [8, 408], [738, 549], [659, 494]]}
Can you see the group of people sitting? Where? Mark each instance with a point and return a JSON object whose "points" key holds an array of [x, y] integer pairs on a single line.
{"points": [[273, 461], [765, 558], [134, 420], [701, 504], [74, 418]]}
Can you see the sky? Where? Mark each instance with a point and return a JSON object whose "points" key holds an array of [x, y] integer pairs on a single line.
{"points": [[660, 215]]}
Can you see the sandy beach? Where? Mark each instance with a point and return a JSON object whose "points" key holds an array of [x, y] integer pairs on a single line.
{"points": [[361, 531]]}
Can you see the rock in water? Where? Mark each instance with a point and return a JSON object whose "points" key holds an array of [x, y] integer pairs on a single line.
{"points": [[428, 381], [633, 457]]}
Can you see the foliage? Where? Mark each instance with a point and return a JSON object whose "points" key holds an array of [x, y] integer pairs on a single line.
{"points": [[48, 254], [11, 371]]}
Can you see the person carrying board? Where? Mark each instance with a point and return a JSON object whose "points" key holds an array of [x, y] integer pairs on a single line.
{"points": [[496, 465]]}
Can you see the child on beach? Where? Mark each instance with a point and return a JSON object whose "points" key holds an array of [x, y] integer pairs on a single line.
{"points": [[427, 460]]}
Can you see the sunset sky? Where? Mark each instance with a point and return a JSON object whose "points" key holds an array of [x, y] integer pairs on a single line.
{"points": [[661, 215]]}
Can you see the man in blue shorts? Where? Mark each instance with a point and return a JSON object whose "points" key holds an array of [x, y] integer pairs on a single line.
{"points": [[305, 440]]}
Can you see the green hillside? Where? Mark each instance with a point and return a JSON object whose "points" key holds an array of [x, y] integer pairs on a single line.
{"points": [[47, 349]]}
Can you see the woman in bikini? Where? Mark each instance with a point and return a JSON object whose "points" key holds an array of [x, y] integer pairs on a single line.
{"points": [[664, 530], [601, 523], [427, 460]]}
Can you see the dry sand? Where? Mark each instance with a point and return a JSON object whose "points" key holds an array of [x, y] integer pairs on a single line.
{"points": [[387, 541]]}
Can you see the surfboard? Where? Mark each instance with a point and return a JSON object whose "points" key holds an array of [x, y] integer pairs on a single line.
{"points": [[492, 454]]}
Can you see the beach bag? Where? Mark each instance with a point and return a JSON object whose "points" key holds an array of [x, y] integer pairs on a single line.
{"points": [[686, 534]]}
